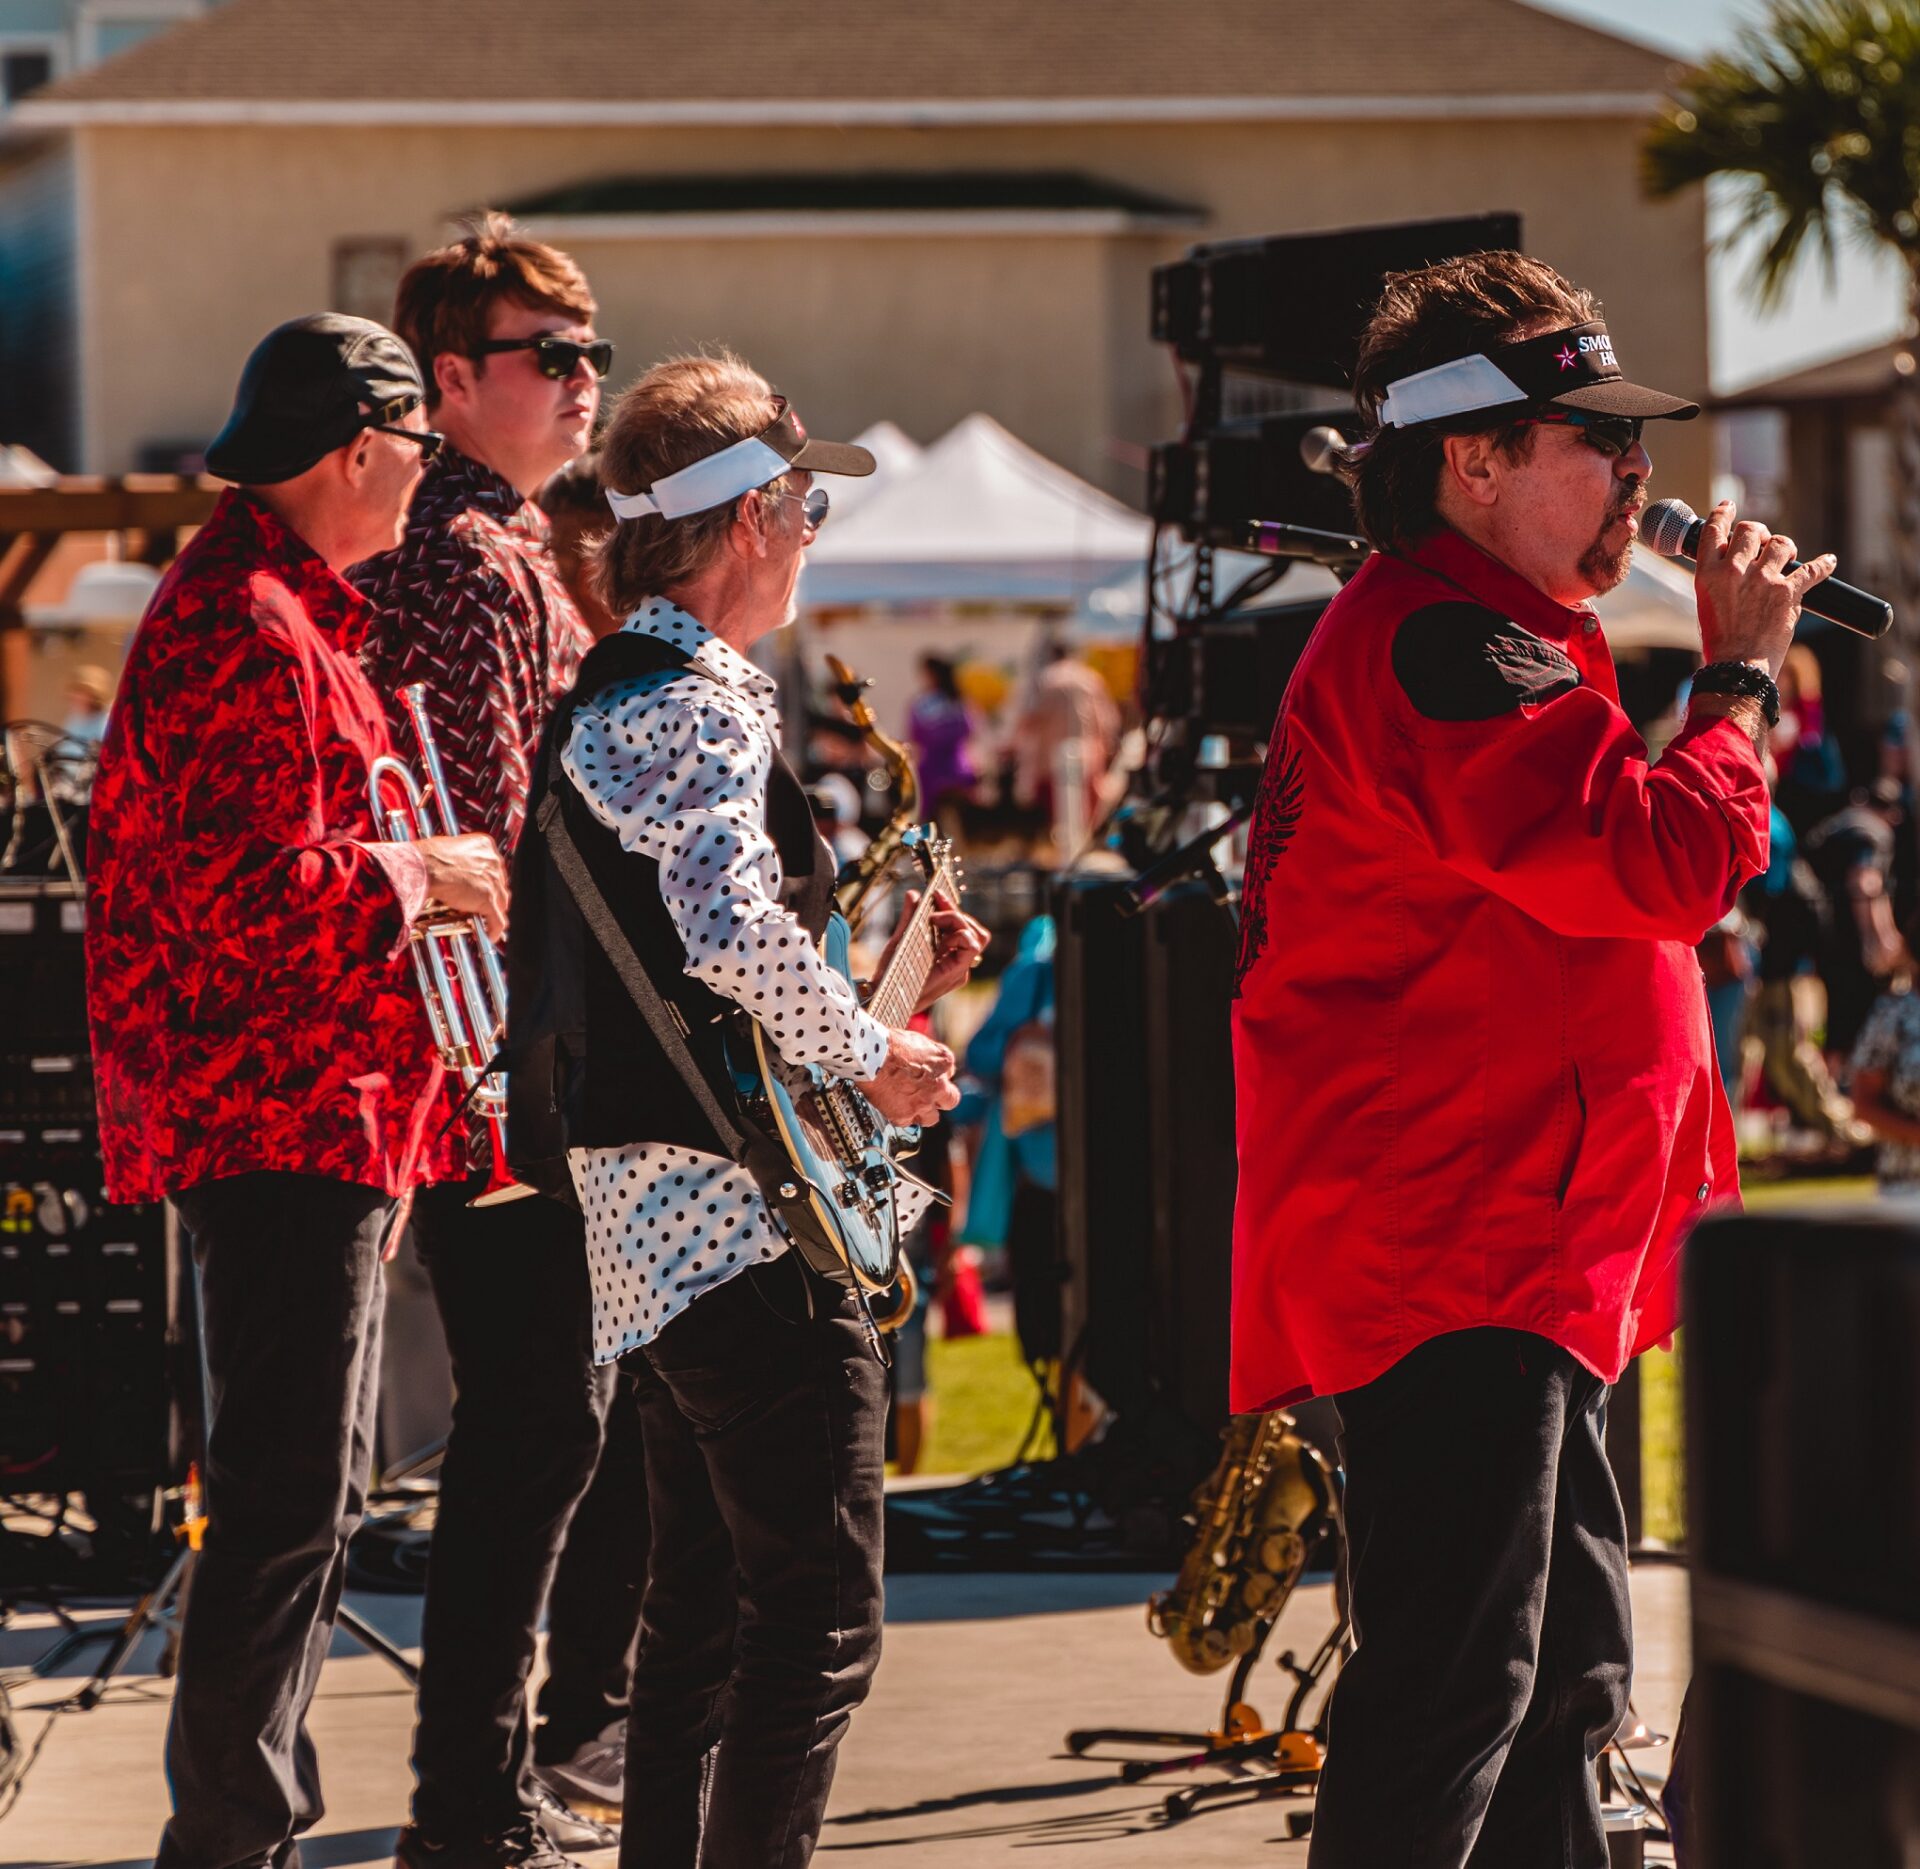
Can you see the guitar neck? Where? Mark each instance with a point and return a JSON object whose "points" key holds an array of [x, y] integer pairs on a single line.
{"points": [[896, 992]]}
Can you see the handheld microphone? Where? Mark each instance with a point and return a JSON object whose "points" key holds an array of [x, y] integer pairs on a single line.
{"points": [[1672, 528]]}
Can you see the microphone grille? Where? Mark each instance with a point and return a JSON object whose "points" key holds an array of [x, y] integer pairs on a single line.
{"points": [[1664, 527]]}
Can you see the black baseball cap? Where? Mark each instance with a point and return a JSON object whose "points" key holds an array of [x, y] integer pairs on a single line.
{"points": [[310, 386]]}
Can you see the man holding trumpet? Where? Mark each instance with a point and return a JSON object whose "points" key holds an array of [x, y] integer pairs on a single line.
{"points": [[261, 1052]]}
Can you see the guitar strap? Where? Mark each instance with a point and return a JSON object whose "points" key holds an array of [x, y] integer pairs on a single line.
{"points": [[780, 1183]]}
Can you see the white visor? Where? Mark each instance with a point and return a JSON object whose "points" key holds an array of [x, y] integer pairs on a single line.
{"points": [[1456, 388], [709, 482]]}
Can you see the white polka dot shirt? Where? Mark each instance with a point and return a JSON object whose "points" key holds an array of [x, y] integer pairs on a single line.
{"points": [[676, 765]]}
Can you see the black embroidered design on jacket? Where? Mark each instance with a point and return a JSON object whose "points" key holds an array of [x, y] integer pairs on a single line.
{"points": [[1464, 662], [1276, 817]]}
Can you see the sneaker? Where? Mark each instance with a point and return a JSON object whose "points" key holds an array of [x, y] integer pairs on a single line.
{"points": [[524, 1844], [568, 1828], [594, 1778]]}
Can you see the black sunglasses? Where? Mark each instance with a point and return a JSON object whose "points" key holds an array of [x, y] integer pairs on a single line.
{"points": [[385, 418], [557, 357], [1611, 435], [428, 440]]}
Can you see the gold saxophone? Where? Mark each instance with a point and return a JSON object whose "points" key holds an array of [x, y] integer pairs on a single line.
{"points": [[1252, 1514], [873, 862]]}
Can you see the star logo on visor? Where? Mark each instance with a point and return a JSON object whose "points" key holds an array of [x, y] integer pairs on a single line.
{"points": [[1564, 357]]}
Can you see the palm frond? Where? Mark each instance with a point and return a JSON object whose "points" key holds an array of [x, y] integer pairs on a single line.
{"points": [[1818, 111]]}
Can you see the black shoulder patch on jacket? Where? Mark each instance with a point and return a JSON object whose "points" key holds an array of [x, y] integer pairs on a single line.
{"points": [[1461, 661]]}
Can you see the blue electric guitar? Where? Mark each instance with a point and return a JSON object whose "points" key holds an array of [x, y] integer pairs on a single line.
{"points": [[845, 1152]]}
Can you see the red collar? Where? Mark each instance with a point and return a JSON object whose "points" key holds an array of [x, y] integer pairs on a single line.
{"points": [[331, 604], [1453, 556]]}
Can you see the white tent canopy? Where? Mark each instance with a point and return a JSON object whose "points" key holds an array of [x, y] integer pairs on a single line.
{"points": [[981, 518], [895, 453]]}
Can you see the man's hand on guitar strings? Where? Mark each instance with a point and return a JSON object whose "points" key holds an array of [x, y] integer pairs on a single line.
{"points": [[959, 946], [916, 1082]]}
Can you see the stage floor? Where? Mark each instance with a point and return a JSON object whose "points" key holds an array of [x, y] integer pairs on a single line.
{"points": [[956, 1760]]}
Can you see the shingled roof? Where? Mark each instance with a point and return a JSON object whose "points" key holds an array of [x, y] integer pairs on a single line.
{"points": [[775, 60]]}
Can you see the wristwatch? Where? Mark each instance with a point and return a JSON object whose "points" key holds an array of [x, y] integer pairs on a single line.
{"points": [[1740, 678]]}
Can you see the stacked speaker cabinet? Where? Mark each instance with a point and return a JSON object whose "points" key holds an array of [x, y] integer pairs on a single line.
{"points": [[1146, 1144], [1803, 1457], [85, 1311]]}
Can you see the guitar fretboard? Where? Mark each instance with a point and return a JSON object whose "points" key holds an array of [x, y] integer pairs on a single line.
{"points": [[897, 991]]}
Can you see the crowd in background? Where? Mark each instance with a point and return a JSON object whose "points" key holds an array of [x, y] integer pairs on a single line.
{"points": [[1810, 978]]}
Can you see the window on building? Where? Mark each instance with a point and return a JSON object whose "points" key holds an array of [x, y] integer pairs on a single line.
{"points": [[23, 70], [366, 275]]}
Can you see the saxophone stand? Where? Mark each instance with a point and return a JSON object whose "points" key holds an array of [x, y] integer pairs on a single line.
{"points": [[1274, 1762]]}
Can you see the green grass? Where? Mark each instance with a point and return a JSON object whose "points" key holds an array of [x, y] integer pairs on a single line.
{"points": [[983, 1399]]}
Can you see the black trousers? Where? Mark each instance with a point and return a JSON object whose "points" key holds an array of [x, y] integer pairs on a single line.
{"points": [[760, 1630], [1487, 1558], [541, 1442], [290, 1291]]}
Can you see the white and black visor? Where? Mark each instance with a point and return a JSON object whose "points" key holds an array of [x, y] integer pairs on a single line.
{"points": [[1574, 368], [781, 447]]}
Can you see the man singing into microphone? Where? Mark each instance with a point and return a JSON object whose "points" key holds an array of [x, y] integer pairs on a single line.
{"points": [[1477, 1098]]}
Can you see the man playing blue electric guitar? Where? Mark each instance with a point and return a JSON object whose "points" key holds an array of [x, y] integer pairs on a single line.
{"points": [[760, 1383]]}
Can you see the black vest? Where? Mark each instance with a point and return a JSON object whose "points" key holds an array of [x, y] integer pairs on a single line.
{"points": [[584, 1069]]}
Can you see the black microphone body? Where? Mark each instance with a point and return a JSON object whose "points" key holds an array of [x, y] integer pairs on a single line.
{"points": [[1672, 528]]}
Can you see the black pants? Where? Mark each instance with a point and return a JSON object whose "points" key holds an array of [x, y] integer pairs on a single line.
{"points": [[541, 1441], [760, 1628], [290, 1290], [1488, 1564]]}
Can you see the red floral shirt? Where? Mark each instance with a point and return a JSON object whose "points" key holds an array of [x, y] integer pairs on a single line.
{"points": [[471, 603], [252, 1002]]}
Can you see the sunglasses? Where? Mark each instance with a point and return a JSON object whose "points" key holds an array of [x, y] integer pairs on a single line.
{"points": [[814, 505], [386, 418], [1611, 435], [557, 357]]}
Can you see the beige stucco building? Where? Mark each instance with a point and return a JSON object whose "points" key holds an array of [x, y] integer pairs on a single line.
{"points": [[897, 210]]}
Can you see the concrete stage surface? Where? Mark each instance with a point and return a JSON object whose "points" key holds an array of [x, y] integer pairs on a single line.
{"points": [[956, 1760]]}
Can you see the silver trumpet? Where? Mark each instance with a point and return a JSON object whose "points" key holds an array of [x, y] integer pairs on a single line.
{"points": [[461, 983]]}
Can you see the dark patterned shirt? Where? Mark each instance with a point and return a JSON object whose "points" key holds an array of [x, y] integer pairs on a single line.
{"points": [[252, 1001], [471, 603]]}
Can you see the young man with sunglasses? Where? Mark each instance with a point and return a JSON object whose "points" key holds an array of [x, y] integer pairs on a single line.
{"points": [[1478, 1104], [542, 1501], [261, 1054]]}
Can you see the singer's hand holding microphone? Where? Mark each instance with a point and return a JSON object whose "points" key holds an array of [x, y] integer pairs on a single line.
{"points": [[1750, 589]]}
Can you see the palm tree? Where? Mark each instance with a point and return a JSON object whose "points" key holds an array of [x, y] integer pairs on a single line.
{"points": [[1817, 112]]}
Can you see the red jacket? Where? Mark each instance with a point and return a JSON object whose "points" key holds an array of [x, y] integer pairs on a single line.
{"points": [[1475, 1074], [252, 1002]]}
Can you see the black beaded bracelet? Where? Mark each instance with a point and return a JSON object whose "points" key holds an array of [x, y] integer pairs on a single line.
{"points": [[1740, 678]]}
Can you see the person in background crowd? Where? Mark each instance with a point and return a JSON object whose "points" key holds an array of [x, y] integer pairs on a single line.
{"points": [[544, 1455], [836, 809], [1813, 779], [1852, 854], [578, 518], [1790, 912], [1884, 1076], [940, 726], [89, 695], [1070, 703], [261, 1054], [925, 1251], [1007, 1095]]}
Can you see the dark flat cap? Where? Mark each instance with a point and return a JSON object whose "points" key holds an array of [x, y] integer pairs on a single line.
{"points": [[310, 386]]}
